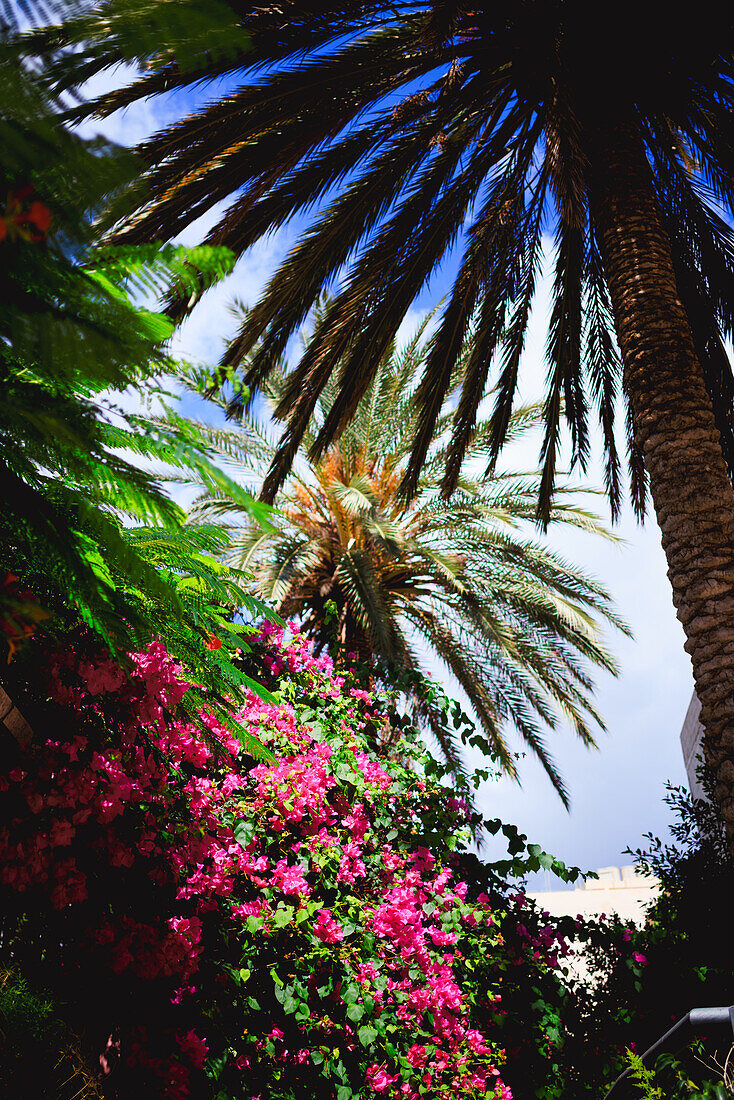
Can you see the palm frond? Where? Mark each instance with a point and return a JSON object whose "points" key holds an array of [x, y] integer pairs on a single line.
{"points": [[367, 572], [398, 138]]}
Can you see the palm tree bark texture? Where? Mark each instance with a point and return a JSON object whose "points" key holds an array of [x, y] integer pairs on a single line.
{"points": [[674, 425]]}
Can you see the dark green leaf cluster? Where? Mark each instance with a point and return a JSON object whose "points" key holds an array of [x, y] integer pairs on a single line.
{"points": [[636, 982], [85, 523]]}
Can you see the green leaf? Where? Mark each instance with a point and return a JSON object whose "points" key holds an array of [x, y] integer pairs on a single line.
{"points": [[351, 994], [244, 832], [367, 1035], [283, 916]]}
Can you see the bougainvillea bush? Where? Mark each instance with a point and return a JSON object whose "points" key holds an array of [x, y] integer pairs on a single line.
{"points": [[291, 926]]}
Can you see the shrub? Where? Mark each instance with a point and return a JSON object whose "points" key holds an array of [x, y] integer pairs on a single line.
{"points": [[294, 926], [311, 924]]}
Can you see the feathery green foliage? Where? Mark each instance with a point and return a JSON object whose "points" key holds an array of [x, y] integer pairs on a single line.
{"points": [[193, 37], [92, 533], [466, 580], [643, 1077], [413, 131]]}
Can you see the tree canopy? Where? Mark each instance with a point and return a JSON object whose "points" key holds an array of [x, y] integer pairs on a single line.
{"points": [[88, 529]]}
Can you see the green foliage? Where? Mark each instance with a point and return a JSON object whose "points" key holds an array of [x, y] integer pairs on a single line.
{"points": [[91, 533], [20, 1008], [39, 1056], [376, 580], [172, 41], [643, 1077], [687, 942], [324, 905], [676, 1077], [626, 986]]}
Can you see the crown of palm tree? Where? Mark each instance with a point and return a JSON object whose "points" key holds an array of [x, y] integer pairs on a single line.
{"points": [[465, 581], [411, 130]]}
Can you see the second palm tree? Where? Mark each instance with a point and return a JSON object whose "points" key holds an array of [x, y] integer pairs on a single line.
{"points": [[465, 583]]}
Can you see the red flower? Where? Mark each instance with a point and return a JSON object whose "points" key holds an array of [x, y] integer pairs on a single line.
{"points": [[213, 642], [40, 216], [25, 219]]}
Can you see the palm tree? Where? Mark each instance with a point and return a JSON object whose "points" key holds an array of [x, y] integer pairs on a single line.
{"points": [[417, 130], [390, 580]]}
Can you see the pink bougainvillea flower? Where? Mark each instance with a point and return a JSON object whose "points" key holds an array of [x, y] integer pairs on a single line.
{"points": [[194, 1048], [379, 1079], [326, 928], [255, 858]]}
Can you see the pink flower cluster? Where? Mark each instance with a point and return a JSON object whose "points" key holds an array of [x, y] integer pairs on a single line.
{"points": [[83, 810], [138, 798]]}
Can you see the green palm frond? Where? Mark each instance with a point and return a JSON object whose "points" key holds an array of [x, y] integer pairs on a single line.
{"points": [[366, 573], [403, 138]]}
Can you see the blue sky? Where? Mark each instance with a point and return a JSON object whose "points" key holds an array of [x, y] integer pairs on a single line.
{"points": [[616, 791]]}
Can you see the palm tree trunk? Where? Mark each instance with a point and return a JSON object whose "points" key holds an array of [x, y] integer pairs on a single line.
{"points": [[674, 426]]}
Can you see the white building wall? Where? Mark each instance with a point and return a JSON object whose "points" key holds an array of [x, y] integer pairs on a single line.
{"points": [[624, 891]]}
